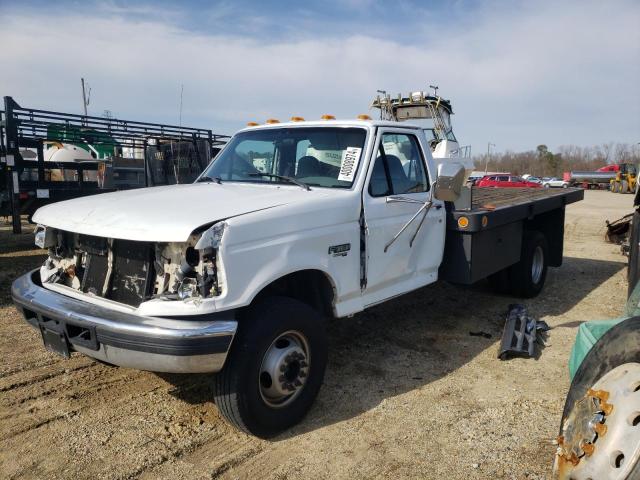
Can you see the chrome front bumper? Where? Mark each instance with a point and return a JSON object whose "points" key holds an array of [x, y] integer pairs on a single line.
{"points": [[156, 344]]}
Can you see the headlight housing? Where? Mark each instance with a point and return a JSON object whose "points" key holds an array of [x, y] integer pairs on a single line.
{"points": [[44, 237], [212, 237]]}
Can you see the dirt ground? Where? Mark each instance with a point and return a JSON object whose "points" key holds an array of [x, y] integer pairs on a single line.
{"points": [[408, 392]]}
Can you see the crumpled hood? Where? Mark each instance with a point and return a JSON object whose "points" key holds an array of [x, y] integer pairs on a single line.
{"points": [[164, 214]]}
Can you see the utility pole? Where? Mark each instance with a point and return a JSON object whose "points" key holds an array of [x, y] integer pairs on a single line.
{"points": [[486, 164], [86, 95], [181, 92]]}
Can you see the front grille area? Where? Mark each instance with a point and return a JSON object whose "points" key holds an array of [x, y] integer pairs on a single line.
{"points": [[130, 279]]}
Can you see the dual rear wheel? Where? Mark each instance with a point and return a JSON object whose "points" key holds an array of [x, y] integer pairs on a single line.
{"points": [[526, 278]]}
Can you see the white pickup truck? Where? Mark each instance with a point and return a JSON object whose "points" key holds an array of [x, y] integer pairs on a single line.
{"points": [[291, 223]]}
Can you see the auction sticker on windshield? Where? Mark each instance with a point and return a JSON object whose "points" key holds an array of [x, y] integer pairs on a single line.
{"points": [[349, 164]]}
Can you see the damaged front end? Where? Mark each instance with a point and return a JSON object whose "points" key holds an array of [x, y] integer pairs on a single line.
{"points": [[132, 272]]}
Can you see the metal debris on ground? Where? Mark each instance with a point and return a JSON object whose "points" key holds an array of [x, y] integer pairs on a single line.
{"points": [[520, 333], [618, 232], [480, 334]]}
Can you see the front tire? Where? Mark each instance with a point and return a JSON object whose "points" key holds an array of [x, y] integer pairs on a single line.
{"points": [[529, 274], [275, 367]]}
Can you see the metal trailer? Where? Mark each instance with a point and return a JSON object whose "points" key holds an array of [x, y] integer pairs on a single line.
{"points": [[167, 154], [589, 179]]}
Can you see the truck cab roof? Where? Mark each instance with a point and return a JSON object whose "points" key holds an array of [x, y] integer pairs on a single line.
{"points": [[336, 123]]}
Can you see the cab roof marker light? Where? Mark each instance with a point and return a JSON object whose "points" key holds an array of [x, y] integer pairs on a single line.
{"points": [[327, 117], [271, 121], [297, 119], [364, 116], [252, 124]]}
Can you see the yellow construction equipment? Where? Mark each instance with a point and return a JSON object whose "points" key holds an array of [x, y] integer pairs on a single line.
{"points": [[625, 179]]}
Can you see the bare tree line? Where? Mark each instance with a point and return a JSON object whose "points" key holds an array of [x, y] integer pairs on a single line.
{"points": [[544, 163]]}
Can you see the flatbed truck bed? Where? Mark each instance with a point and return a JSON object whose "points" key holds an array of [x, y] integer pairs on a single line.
{"points": [[485, 236]]}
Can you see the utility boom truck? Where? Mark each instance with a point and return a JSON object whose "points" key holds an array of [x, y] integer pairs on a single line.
{"points": [[290, 224]]}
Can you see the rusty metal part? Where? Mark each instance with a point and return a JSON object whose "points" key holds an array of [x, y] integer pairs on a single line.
{"points": [[588, 448], [600, 429], [601, 435], [602, 396], [618, 230], [579, 429]]}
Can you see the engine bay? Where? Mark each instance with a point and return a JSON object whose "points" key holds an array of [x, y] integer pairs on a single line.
{"points": [[128, 271]]}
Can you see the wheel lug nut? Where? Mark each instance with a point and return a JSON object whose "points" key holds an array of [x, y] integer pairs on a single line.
{"points": [[600, 429], [587, 448], [298, 383], [283, 367], [281, 378], [599, 394]]}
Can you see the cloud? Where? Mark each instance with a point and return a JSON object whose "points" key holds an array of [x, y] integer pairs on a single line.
{"points": [[517, 76]]}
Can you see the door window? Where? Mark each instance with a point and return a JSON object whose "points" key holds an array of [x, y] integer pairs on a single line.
{"points": [[399, 167]]}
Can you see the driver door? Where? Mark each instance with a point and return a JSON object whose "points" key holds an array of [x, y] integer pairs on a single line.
{"points": [[397, 189]]}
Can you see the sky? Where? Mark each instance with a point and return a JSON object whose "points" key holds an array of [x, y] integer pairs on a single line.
{"points": [[518, 73]]}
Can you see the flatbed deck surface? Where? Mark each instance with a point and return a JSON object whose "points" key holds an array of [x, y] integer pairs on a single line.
{"points": [[492, 198], [492, 207]]}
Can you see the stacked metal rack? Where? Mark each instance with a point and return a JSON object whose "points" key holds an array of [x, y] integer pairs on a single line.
{"points": [[100, 155]]}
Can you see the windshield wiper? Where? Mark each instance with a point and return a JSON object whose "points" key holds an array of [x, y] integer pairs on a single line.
{"points": [[281, 177], [217, 180]]}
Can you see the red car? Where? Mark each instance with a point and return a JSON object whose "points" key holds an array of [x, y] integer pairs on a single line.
{"points": [[506, 180]]}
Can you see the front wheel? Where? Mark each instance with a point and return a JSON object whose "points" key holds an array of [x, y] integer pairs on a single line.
{"points": [[275, 367]]}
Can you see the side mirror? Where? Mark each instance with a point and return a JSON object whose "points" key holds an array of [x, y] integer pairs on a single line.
{"points": [[450, 180]]}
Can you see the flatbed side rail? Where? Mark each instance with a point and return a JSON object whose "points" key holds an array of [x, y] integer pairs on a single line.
{"points": [[493, 207]]}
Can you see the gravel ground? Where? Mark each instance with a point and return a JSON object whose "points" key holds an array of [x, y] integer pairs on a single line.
{"points": [[408, 392]]}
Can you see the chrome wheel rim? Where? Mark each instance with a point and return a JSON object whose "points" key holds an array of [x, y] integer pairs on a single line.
{"points": [[284, 369], [537, 264], [608, 443]]}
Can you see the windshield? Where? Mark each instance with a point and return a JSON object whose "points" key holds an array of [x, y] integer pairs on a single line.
{"points": [[317, 156]]}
